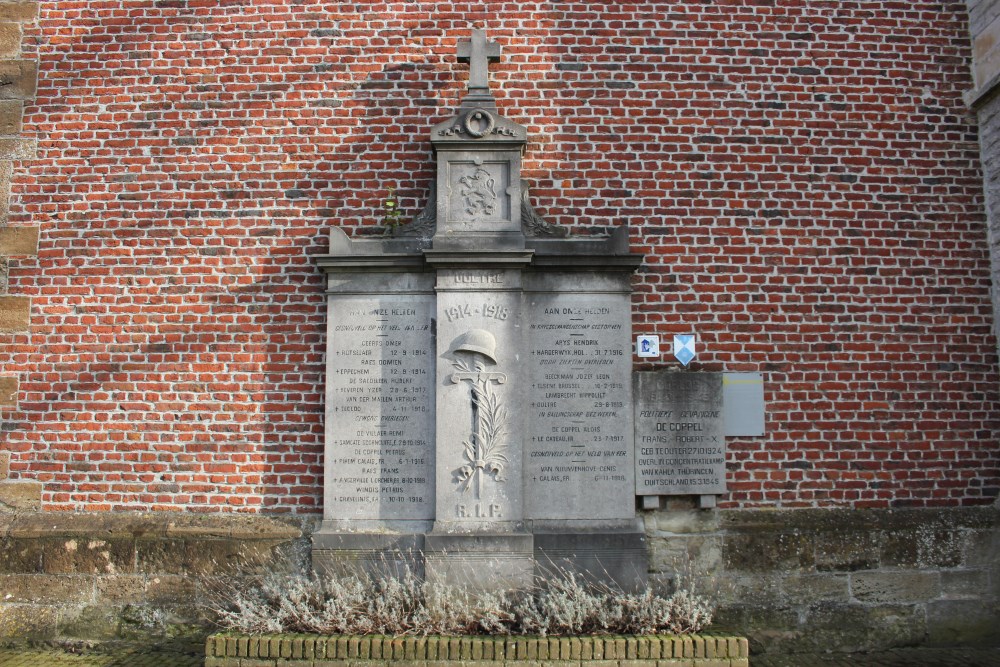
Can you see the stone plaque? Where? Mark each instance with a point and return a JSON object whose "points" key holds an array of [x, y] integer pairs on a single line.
{"points": [[578, 445], [679, 434], [380, 409]]}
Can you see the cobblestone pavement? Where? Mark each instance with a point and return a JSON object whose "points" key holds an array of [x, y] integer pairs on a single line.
{"points": [[121, 658], [132, 657], [910, 657]]}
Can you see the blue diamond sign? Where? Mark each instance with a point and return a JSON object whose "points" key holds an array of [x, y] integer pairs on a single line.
{"points": [[684, 348]]}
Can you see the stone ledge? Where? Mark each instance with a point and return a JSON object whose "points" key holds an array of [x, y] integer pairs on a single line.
{"points": [[832, 519], [149, 526], [978, 97], [701, 650]]}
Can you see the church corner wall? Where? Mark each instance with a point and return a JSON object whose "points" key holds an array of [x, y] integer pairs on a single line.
{"points": [[18, 243]]}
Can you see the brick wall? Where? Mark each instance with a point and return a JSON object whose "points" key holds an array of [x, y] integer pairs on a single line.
{"points": [[803, 176]]}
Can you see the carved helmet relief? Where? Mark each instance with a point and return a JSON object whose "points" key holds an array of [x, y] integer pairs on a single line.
{"points": [[478, 341], [485, 449]]}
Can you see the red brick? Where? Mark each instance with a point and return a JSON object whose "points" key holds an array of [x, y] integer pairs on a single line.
{"points": [[809, 196]]}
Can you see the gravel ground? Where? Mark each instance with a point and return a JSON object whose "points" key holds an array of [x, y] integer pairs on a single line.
{"points": [[911, 657], [121, 657]]}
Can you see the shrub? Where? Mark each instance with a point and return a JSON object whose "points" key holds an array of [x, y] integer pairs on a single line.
{"points": [[400, 605]]}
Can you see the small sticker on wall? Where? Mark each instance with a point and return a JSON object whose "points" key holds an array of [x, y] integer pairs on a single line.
{"points": [[647, 346]]}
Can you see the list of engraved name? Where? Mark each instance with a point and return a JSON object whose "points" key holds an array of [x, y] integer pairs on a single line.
{"points": [[381, 408], [578, 438]]}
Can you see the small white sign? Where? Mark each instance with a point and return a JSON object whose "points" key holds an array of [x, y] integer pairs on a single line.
{"points": [[647, 346]]}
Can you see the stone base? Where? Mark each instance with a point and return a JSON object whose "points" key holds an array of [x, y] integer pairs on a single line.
{"points": [[367, 554], [486, 561], [617, 559], [480, 562]]}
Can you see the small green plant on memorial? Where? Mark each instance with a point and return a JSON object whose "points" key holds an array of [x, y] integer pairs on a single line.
{"points": [[392, 216], [404, 605]]}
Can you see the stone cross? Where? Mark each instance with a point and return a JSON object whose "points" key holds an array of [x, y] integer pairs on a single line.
{"points": [[480, 376], [479, 53]]}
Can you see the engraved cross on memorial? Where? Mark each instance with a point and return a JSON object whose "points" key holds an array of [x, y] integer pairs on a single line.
{"points": [[479, 152]]}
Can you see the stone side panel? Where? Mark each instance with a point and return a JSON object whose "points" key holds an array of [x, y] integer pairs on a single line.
{"points": [[984, 24], [989, 141]]}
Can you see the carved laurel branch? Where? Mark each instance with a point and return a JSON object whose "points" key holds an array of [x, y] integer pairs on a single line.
{"points": [[458, 129], [485, 450]]}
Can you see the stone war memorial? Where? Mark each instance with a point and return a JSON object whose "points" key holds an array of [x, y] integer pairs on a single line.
{"points": [[653, 294], [479, 392]]}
